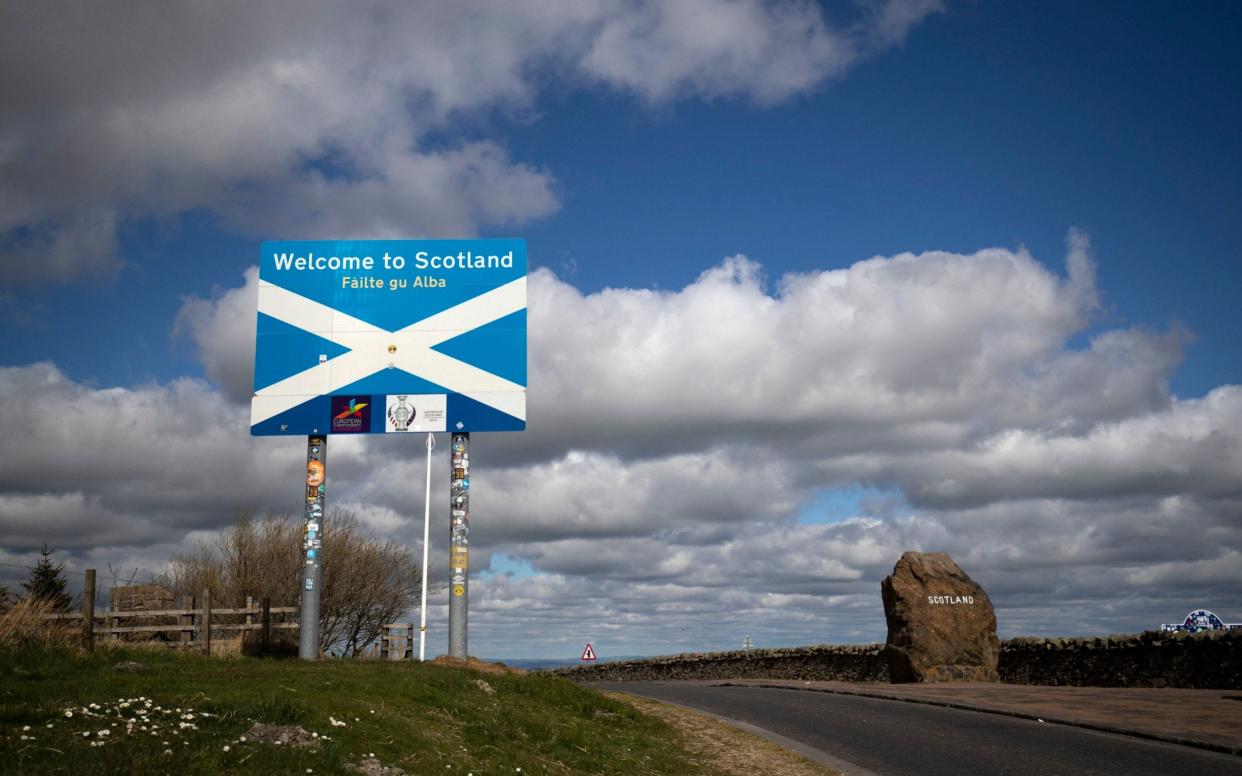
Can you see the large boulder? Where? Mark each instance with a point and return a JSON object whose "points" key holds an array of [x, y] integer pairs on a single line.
{"points": [[941, 626]]}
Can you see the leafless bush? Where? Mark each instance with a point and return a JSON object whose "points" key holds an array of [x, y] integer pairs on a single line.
{"points": [[366, 582]]}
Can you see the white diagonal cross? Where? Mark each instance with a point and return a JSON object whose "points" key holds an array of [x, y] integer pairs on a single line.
{"points": [[370, 350]]}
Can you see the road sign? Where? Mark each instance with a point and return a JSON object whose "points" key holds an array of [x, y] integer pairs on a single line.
{"points": [[390, 336], [589, 652]]}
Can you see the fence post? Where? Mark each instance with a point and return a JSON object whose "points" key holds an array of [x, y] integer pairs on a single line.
{"points": [[409, 640], [266, 639], [205, 627], [116, 623], [88, 611], [187, 604], [384, 643]]}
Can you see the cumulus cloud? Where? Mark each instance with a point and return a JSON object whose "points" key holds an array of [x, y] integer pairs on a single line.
{"points": [[674, 455], [308, 120], [222, 330]]}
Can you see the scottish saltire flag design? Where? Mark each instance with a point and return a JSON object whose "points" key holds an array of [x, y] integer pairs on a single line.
{"points": [[437, 325]]}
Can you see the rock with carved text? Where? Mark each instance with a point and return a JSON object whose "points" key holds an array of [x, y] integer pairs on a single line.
{"points": [[941, 626]]}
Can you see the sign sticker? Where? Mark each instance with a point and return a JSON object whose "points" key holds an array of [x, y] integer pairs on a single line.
{"points": [[351, 414], [314, 474], [415, 412]]}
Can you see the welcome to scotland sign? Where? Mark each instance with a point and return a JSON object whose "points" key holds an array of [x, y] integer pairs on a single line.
{"points": [[390, 336]]}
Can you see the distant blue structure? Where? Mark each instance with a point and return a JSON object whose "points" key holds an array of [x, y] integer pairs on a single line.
{"points": [[1200, 620]]}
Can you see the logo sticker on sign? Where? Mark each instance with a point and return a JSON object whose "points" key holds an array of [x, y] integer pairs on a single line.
{"points": [[415, 412], [351, 414]]}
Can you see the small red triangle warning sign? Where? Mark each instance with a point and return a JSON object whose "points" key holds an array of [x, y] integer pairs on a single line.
{"points": [[589, 652]]}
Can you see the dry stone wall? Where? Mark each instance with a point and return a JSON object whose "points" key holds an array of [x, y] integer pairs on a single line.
{"points": [[1209, 660], [824, 662], [1206, 660]]}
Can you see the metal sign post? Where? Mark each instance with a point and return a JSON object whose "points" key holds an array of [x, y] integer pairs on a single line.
{"points": [[422, 624], [459, 543], [312, 546]]}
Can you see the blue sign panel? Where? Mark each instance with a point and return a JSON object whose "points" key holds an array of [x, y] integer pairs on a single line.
{"points": [[390, 336]]}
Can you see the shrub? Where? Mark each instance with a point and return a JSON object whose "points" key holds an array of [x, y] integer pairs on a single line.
{"points": [[26, 624]]}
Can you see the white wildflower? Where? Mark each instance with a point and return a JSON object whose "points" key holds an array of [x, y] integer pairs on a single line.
{"points": [[25, 728], [104, 732], [68, 713], [226, 747]]}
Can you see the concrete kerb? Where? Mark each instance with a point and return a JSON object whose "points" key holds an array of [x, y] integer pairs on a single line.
{"points": [[1133, 732]]}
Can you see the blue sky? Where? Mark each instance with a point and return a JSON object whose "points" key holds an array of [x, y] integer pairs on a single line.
{"points": [[627, 163], [993, 125]]}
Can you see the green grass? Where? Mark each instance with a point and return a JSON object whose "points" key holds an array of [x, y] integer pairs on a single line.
{"points": [[424, 718]]}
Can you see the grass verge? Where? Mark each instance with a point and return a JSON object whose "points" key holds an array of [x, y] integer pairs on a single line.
{"points": [[66, 712]]}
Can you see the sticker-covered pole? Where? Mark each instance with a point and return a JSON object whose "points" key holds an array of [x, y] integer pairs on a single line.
{"points": [[459, 543], [312, 547], [422, 621]]}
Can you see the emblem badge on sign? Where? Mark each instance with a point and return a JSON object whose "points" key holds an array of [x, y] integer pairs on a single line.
{"points": [[401, 414]]}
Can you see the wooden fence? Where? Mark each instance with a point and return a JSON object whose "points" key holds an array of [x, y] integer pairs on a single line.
{"points": [[192, 625]]}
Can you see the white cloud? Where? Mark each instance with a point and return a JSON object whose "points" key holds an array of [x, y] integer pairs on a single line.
{"points": [[673, 447], [223, 331], [310, 119]]}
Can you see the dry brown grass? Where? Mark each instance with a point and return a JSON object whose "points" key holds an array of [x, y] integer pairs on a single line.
{"points": [[26, 624], [477, 665], [721, 748]]}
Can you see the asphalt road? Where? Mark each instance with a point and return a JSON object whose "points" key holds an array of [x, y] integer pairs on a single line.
{"points": [[894, 738]]}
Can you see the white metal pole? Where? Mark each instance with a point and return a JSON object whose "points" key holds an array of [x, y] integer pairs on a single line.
{"points": [[422, 625]]}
